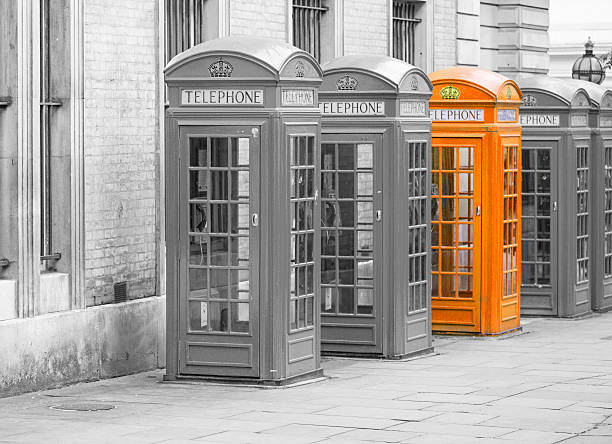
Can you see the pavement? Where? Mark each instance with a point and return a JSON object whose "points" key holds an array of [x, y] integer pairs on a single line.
{"points": [[552, 383]]}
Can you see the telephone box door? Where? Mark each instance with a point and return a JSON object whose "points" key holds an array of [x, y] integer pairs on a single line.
{"points": [[351, 239], [456, 234], [539, 228], [219, 250]]}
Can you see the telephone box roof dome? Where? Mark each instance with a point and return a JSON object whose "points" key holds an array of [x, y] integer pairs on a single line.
{"points": [[564, 89], [491, 81], [596, 92], [391, 69], [273, 53]]}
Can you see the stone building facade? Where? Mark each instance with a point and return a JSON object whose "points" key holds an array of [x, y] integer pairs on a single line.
{"points": [[81, 172]]}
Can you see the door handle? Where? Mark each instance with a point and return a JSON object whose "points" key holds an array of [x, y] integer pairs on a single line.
{"points": [[255, 219], [554, 205], [378, 215], [477, 210]]}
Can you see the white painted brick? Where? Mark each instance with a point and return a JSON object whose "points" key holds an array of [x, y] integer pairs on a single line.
{"points": [[121, 147]]}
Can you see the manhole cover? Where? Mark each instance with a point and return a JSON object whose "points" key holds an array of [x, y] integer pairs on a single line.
{"points": [[82, 407]]}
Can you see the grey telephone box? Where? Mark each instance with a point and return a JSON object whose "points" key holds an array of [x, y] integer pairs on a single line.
{"points": [[600, 121], [556, 207], [375, 207], [242, 179]]}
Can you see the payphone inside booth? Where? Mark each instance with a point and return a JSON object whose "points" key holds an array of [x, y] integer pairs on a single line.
{"points": [[476, 142], [375, 235], [242, 178], [556, 217]]}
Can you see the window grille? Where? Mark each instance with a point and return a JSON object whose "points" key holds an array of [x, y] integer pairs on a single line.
{"points": [[307, 25], [582, 214], [608, 213], [404, 28], [184, 25], [417, 226], [46, 108]]}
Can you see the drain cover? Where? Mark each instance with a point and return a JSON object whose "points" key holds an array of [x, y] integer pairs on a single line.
{"points": [[82, 407]]}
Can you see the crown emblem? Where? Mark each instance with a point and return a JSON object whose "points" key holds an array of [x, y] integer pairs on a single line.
{"points": [[346, 83], [509, 93], [414, 83], [529, 100], [299, 69], [450, 92], [220, 69]]}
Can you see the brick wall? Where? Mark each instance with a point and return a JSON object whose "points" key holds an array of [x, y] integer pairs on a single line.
{"points": [[445, 33], [121, 147], [265, 18], [366, 27]]}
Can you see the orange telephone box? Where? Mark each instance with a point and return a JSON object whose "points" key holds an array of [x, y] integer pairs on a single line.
{"points": [[476, 205]]}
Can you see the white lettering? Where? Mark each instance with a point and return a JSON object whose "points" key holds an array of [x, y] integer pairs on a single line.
{"points": [[222, 97], [506, 115], [297, 97]]}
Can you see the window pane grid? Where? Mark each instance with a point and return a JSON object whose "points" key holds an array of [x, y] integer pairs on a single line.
{"points": [[608, 212], [218, 249], [452, 221], [536, 216], [347, 220], [510, 248], [417, 234], [302, 200], [582, 214]]}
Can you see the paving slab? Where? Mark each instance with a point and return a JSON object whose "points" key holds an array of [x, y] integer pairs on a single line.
{"points": [[553, 384]]}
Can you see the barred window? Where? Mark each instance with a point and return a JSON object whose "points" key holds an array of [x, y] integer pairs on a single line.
{"points": [[404, 30], [307, 25], [184, 25]]}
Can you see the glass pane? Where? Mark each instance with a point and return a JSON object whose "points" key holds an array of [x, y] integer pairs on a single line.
{"points": [[198, 282], [465, 261], [347, 243], [198, 152], [218, 316], [347, 214], [448, 184], [198, 250], [198, 315], [328, 271], [240, 185], [543, 183], [447, 260], [329, 296], [198, 218], [365, 301], [346, 271], [529, 159], [240, 151], [198, 185], [543, 159], [466, 185], [346, 303], [218, 152], [447, 161], [346, 185], [328, 156], [218, 250], [365, 156], [543, 205], [365, 184], [528, 205], [346, 156], [240, 317], [465, 158]]}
